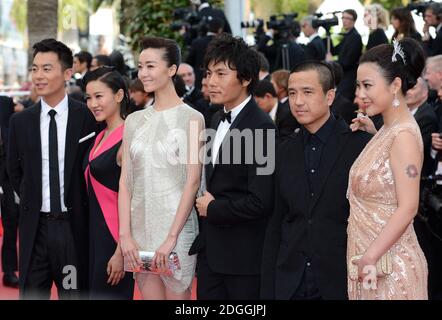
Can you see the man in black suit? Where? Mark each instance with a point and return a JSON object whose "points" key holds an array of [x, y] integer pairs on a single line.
{"points": [[425, 116], [315, 49], [348, 51], [267, 100], [198, 48], [433, 18], [304, 253], [235, 208], [193, 94], [9, 208], [206, 10], [47, 144]]}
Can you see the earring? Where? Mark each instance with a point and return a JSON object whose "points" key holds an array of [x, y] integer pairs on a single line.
{"points": [[395, 102]]}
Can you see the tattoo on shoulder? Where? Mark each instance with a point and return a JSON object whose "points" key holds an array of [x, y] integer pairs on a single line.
{"points": [[412, 171]]}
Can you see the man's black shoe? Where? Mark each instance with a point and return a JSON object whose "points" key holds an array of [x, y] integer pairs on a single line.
{"points": [[10, 280]]}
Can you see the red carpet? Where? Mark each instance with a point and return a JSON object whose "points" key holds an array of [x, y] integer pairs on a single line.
{"points": [[12, 294]]}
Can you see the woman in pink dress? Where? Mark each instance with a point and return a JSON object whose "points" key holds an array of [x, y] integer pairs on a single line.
{"points": [[384, 181]]}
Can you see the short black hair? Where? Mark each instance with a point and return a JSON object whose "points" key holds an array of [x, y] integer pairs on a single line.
{"points": [[84, 56], [113, 79], [215, 24], [263, 87], [338, 71], [103, 60], [408, 71], [237, 55], [51, 45], [172, 52], [352, 13], [324, 71]]}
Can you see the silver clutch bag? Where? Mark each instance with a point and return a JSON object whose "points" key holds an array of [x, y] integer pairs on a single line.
{"points": [[147, 267]]}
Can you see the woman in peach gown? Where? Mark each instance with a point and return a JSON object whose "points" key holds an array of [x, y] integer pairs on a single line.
{"points": [[384, 181]]}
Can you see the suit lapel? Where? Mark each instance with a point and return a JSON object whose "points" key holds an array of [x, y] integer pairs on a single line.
{"points": [[226, 139], [73, 132], [35, 145], [209, 166], [330, 154]]}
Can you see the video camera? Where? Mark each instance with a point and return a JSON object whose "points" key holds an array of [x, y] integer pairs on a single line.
{"points": [[325, 23], [188, 19], [419, 7]]}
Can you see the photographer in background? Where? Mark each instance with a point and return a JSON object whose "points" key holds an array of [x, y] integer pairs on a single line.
{"points": [[315, 49], [433, 18], [348, 51], [198, 48], [206, 10]]}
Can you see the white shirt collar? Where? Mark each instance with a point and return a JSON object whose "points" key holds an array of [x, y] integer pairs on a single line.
{"points": [[272, 112], [439, 27], [313, 36], [413, 112], [60, 108], [283, 100], [235, 111], [203, 5]]}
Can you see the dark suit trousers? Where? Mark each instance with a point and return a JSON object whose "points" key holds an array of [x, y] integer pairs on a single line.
{"points": [[10, 227], [216, 286], [53, 258]]}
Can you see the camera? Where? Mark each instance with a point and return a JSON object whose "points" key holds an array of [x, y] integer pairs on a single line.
{"points": [[419, 7], [325, 23], [282, 22], [184, 17]]}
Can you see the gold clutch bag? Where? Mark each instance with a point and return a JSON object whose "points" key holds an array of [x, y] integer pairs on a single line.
{"points": [[384, 266]]}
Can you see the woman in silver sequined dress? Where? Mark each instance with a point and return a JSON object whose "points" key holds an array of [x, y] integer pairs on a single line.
{"points": [[160, 177]]}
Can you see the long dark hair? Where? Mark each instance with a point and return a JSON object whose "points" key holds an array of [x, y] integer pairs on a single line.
{"points": [[113, 79]]}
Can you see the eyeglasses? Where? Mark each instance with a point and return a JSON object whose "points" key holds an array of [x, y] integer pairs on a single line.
{"points": [[347, 18]]}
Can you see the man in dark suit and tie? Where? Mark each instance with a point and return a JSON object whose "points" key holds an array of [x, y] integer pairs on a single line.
{"points": [[304, 253], [47, 144], [348, 51], [237, 204]]}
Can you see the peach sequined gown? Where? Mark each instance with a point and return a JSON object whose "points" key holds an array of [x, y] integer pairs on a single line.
{"points": [[372, 196]]}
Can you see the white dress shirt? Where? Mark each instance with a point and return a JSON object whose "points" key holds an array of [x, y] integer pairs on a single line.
{"points": [[224, 127], [62, 120], [272, 112], [283, 100]]}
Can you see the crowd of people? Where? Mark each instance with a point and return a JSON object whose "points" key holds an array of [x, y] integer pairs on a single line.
{"points": [[302, 184]]}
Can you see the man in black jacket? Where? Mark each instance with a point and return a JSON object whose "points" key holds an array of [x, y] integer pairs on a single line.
{"points": [[433, 18], [9, 207], [315, 49], [238, 202], [206, 10], [348, 51], [265, 96], [47, 145], [304, 253], [198, 49]]}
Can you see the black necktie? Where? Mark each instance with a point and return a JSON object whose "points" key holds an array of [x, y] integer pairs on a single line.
{"points": [[54, 175], [226, 116]]}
